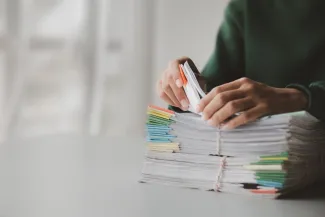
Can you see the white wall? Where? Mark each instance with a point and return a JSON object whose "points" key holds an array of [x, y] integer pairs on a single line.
{"points": [[184, 28]]}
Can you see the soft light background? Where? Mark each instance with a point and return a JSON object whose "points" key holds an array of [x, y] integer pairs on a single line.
{"points": [[90, 66]]}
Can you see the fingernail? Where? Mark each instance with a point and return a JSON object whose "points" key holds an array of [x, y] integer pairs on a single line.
{"points": [[210, 122], [225, 127], [206, 118], [179, 83], [184, 104], [198, 109]]}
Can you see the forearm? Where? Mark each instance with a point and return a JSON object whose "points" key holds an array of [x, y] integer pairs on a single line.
{"points": [[315, 94], [290, 100]]}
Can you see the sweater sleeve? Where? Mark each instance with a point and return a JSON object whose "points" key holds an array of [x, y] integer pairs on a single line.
{"points": [[315, 93], [227, 62]]}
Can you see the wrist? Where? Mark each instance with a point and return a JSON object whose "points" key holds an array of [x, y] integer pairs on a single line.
{"points": [[292, 99]]}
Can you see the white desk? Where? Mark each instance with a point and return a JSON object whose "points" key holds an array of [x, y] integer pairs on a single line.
{"points": [[78, 177]]}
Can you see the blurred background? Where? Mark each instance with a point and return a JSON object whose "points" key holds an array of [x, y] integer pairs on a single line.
{"points": [[90, 66]]}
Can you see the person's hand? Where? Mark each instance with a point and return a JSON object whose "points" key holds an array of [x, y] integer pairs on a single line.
{"points": [[170, 86], [249, 98]]}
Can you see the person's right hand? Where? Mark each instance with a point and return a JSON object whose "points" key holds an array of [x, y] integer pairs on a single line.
{"points": [[169, 87]]}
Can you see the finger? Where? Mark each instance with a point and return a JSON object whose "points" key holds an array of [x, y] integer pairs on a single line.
{"points": [[230, 109], [221, 100], [169, 92], [166, 82], [215, 91], [245, 118], [163, 95], [180, 95]]}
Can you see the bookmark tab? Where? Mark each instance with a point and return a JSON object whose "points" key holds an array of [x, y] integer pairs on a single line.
{"points": [[184, 80]]}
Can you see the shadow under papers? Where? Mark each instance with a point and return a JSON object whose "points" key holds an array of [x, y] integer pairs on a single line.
{"points": [[315, 192]]}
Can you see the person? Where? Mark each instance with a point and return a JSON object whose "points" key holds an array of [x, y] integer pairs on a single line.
{"points": [[269, 58]]}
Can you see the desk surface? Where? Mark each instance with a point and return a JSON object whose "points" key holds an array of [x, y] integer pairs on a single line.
{"points": [[73, 176]]}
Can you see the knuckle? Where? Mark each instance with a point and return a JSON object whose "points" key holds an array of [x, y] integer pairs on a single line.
{"points": [[265, 107], [169, 76], [216, 90], [174, 74], [232, 106], [249, 86], [245, 117], [165, 86], [162, 94], [245, 80], [207, 112], [222, 98]]}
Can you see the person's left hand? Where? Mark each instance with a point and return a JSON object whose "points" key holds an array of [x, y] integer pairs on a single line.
{"points": [[249, 98]]}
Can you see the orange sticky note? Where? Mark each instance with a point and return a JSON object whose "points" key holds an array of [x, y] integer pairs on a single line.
{"points": [[264, 191], [182, 75], [162, 109]]}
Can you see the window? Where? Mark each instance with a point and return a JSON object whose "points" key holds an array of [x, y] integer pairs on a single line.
{"points": [[69, 67]]}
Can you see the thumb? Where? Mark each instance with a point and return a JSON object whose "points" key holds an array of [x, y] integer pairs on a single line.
{"points": [[175, 70]]}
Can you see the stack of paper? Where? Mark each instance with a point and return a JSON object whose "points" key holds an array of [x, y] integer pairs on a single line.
{"points": [[271, 156]]}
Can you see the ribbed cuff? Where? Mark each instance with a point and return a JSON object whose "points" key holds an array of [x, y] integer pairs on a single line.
{"points": [[305, 90]]}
